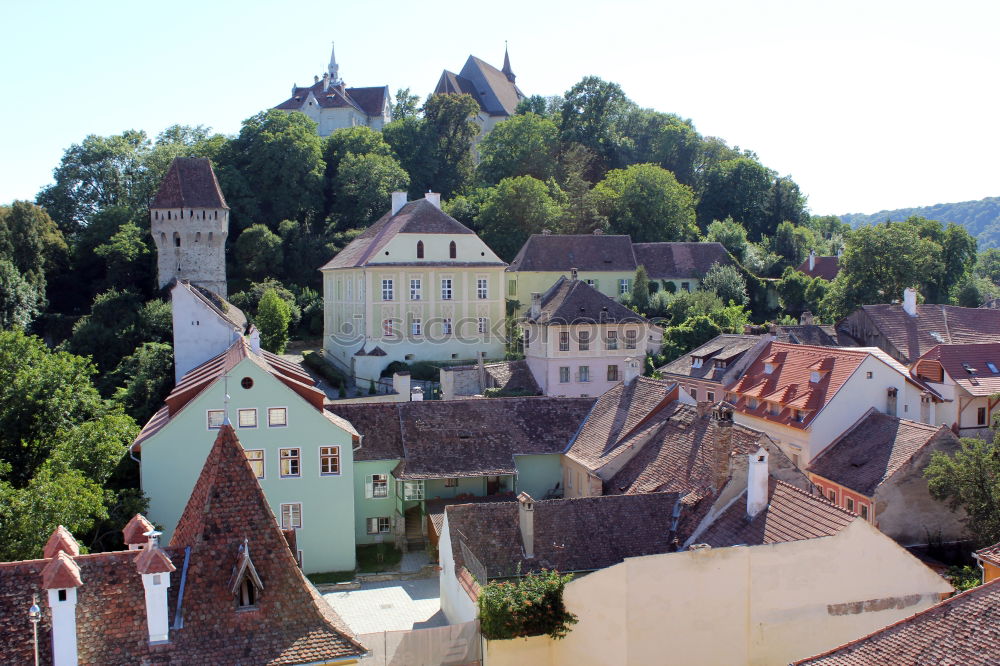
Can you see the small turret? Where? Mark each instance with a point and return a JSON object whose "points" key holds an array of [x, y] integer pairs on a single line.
{"points": [[508, 72]]}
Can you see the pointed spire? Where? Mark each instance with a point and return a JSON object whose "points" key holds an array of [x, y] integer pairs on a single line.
{"points": [[333, 69], [506, 64]]}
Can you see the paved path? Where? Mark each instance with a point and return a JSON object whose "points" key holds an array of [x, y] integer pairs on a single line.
{"points": [[390, 606], [413, 561]]}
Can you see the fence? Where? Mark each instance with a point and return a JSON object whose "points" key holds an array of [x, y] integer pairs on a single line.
{"points": [[453, 645]]}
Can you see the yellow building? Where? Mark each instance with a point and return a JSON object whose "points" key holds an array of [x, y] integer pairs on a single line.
{"points": [[415, 286]]}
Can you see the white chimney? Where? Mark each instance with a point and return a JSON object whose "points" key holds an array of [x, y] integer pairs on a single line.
{"points": [[536, 305], [526, 520], [910, 301], [434, 198], [60, 578], [573, 274], [812, 260], [154, 566], [326, 81], [254, 340], [632, 370], [806, 319], [757, 477], [416, 394], [398, 201]]}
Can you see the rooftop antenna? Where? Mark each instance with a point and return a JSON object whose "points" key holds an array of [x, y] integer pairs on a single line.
{"points": [[225, 402]]}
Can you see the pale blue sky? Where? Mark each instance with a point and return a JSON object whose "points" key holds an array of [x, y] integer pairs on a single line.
{"points": [[866, 104]]}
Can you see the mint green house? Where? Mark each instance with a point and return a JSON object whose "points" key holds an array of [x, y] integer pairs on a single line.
{"points": [[302, 454]]}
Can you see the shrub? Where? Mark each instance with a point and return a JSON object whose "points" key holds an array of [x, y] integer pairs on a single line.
{"points": [[394, 367], [324, 368], [529, 606]]}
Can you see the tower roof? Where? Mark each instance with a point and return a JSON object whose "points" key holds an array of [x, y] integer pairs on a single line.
{"points": [[190, 183], [506, 66]]}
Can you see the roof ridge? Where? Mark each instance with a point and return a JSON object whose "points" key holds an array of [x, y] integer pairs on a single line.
{"points": [[821, 499]]}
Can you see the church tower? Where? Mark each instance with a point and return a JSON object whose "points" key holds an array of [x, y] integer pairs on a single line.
{"points": [[190, 222]]}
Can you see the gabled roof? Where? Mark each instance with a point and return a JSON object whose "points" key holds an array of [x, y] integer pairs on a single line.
{"points": [[727, 348], [205, 375], [368, 101], [505, 375], [416, 217], [580, 534], [964, 629], [791, 515], [190, 183], [585, 252], [823, 267], [989, 554], [463, 438], [874, 449], [497, 95], [810, 334], [968, 365], [569, 302], [666, 261], [616, 415], [215, 304], [933, 325]]}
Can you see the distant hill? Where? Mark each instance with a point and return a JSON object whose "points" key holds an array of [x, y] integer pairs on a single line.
{"points": [[981, 218]]}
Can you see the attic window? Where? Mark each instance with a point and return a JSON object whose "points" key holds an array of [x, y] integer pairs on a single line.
{"points": [[696, 361], [992, 366], [769, 368], [815, 376], [452, 250], [420, 249], [246, 585]]}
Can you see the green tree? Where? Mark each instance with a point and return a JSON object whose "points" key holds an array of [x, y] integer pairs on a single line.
{"points": [[972, 291], [258, 253], [692, 333], [118, 323], [450, 131], [739, 188], [273, 318], [31, 241], [970, 481], [640, 289], [407, 105], [128, 258], [363, 186], [594, 113], [676, 148], [513, 210], [785, 203], [248, 300], [531, 605], [580, 213], [525, 145], [144, 379], [792, 289], [731, 234], [792, 243], [726, 282], [357, 140], [646, 202], [988, 265], [19, 299], [303, 247]]}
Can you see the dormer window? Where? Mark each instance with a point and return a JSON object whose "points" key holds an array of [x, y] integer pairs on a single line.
{"points": [[696, 361], [752, 403], [721, 364], [775, 409], [992, 367], [769, 368], [799, 415], [247, 595], [815, 376], [246, 585]]}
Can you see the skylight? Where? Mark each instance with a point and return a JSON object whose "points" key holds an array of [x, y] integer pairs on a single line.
{"points": [[992, 366]]}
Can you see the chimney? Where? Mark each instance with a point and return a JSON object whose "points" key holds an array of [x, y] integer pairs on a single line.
{"points": [[572, 274], [416, 394], [154, 566], [254, 339], [295, 89], [135, 532], [806, 319], [910, 301], [757, 478], [315, 79], [536, 305], [526, 520], [398, 201], [702, 408], [326, 81], [434, 198], [631, 370], [812, 260], [60, 578], [722, 443]]}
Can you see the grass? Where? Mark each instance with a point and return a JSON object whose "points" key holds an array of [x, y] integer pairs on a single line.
{"points": [[368, 562]]}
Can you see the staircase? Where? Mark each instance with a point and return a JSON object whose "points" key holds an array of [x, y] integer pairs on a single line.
{"points": [[414, 532]]}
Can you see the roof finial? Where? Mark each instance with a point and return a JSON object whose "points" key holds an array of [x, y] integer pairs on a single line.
{"points": [[506, 64]]}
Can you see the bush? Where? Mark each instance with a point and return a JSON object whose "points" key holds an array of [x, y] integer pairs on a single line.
{"points": [[425, 371], [529, 606], [324, 368], [394, 367], [497, 392]]}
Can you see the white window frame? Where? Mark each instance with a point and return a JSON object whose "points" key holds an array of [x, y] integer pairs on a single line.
{"points": [[208, 416], [334, 454], [564, 340], [416, 289], [583, 372], [482, 324], [298, 462], [624, 286], [482, 288], [370, 482], [262, 460], [413, 490], [388, 328], [387, 289], [446, 326], [451, 483], [288, 516], [583, 341], [284, 411], [611, 340], [693, 392], [564, 374], [246, 410], [631, 339], [416, 327], [613, 373], [447, 289], [380, 526]]}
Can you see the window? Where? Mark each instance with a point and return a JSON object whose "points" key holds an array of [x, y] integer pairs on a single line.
{"points": [[247, 594], [446, 289], [413, 490], [482, 324], [992, 367], [277, 417], [378, 525], [752, 403], [215, 418], [291, 516], [612, 340], [512, 287], [564, 341], [584, 373], [482, 290], [415, 289], [864, 511], [694, 393], [850, 505], [630, 339], [256, 458], [800, 415], [350, 290], [329, 460], [446, 325], [290, 462], [868, 375], [451, 483], [833, 495], [420, 249], [452, 250], [775, 409], [592, 283], [416, 327], [584, 341], [981, 416], [247, 383], [248, 418], [376, 486], [387, 290], [387, 328], [564, 375], [612, 373], [624, 286], [710, 396], [686, 286]]}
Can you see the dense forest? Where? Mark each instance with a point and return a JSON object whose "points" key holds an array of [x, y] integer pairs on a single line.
{"points": [[981, 218], [85, 335]]}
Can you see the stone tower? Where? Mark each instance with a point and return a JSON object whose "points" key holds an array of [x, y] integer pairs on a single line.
{"points": [[190, 221]]}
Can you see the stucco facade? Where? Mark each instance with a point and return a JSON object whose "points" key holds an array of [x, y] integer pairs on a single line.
{"points": [[200, 330]]}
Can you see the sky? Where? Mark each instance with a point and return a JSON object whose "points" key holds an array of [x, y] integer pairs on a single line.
{"points": [[867, 104]]}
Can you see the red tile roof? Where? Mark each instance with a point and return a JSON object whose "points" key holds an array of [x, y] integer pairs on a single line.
{"points": [[190, 183], [989, 554], [135, 530], [61, 571], [967, 364], [153, 560], [964, 629], [874, 449], [824, 267], [61, 540]]}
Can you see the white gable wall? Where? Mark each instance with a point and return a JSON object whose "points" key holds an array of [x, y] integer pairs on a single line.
{"points": [[199, 332]]}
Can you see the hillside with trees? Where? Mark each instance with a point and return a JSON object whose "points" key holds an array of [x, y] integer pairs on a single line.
{"points": [[981, 218]]}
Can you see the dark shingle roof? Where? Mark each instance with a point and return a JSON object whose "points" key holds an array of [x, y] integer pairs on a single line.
{"points": [[369, 101], [724, 347], [190, 183], [964, 629], [576, 302], [581, 534], [497, 95], [218, 304], [665, 261], [791, 515], [809, 334], [874, 449], [588, 252], [824, 267], [378, 425]]}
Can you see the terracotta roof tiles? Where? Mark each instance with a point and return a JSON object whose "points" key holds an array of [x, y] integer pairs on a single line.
{"points": [[190, 182], [61, 572], [135, 530], [61, 540], [823, 267], [974, 367]]}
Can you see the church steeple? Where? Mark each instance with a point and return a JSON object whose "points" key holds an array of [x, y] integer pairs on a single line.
{"points": [[333, 69], [506, 65]]}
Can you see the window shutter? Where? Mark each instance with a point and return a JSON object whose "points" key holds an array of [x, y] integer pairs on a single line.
{"points": [[369, 493]]}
